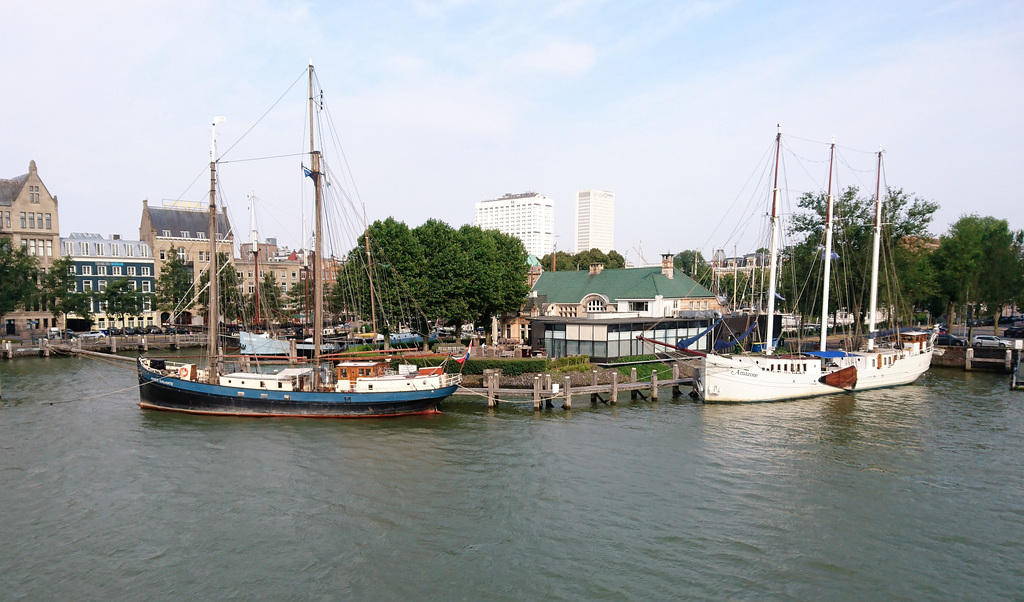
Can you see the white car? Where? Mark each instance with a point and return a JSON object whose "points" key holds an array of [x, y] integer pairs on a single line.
{"points": [[93, 334], [987, 340]]}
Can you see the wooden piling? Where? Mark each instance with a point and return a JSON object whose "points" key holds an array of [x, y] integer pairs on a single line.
{"points": [[536, 392], [654, 385], [177, 343], [293, 352], [568, 393], [632, 379], [113, 344], [968, 359], [145, 344], [675, 376], [8, 351], [549, 388], [1009, 361], [615, 387]]}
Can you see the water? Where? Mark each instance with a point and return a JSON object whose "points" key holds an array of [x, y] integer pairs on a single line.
{"points": [[908, 493]]}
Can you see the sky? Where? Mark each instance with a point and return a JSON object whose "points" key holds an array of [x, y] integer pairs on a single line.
{"points": [[673, 106]]}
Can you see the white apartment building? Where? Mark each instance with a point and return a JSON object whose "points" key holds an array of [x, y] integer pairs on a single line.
{"points": [[595, 220], [528, 216]]}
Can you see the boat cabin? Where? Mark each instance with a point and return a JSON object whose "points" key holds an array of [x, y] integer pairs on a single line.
{"points": [[352, 370], [290, 379]]}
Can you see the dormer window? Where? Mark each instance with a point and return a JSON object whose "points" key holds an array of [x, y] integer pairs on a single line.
{"points": [[184, 233], [595, 306], [166, 233]]}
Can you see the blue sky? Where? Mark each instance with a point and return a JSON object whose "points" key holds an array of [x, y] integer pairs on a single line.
{"points": [[670, 105]]}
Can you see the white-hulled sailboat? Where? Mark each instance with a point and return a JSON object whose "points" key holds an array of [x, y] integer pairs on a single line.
{"points": [[744, 378]]}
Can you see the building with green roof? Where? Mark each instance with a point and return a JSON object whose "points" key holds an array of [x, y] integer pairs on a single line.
{"points": [[600, 312]]}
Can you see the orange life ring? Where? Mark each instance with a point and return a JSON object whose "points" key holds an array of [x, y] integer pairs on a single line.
{"points": [[183, 372]]}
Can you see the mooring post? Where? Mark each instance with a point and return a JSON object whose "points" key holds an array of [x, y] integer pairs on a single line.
{"points": [[177, 344], [654, 385], [46, 347], [8, 353], [491, 385], [568, 393], [615, 387], [593, 377], [113, 344], [968, 358], [632, 374], [675, 377], [293, 352], [145, 344], [536, 391]]}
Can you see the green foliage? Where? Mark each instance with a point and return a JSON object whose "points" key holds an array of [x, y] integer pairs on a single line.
{"points": [[906, 278], [509, 367], [231, 302], [644, 371], [431, 274], [59, 291], [980, 260], [17, 276], [692, 264], [567, 262], [173, 287], [121, 299]]}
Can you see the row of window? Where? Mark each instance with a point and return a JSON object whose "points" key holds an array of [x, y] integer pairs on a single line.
{"points": [[115, 270], [99, 249], [35, 247], [101, 307], [30, 221], [101, 285], [185, 234]]}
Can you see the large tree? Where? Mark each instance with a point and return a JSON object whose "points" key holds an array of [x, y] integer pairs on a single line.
{"points": [[979, 261], [60, 294], [567, 262], [121, 300], [174, 286], [906, 277], [18, 272], [229, 291]]}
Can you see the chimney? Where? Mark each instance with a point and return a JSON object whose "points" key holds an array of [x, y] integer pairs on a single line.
{"points": [[115, 237], [596, 268], [666, 266]]}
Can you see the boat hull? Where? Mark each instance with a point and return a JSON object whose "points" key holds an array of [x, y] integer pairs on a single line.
{"points": [[747, 379], [160, 392]]}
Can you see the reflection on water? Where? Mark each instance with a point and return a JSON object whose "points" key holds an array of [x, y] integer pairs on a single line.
{"points": [[912, 492]]}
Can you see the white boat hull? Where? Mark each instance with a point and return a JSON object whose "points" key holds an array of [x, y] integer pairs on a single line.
{"points": [[743, 379]]}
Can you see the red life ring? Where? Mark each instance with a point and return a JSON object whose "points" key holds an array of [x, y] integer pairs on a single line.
{"points": [[183, 372]]}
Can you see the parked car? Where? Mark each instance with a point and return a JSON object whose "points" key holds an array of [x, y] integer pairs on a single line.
{"points": [[92, 334], [154, 330], [1014, 332], [987, 340], [950, 340]]}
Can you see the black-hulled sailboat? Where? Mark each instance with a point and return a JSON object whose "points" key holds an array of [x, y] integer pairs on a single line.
{"points": [[346, 389]]}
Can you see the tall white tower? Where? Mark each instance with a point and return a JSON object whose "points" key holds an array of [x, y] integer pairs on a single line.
{"points": [[528, 216], [595, 220]]}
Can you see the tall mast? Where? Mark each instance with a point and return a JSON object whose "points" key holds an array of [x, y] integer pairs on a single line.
{"points": [[774, 248], [213, 309], [369, 277], [255, 251], [874, 254], [318, 263], [828, 248]]}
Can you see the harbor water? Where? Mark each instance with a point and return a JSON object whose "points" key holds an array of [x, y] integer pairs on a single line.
{"points": [[911, 493]]}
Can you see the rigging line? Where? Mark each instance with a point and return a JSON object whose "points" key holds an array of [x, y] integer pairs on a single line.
{"points": [[253, 126], [135, 386], [263, 158]]}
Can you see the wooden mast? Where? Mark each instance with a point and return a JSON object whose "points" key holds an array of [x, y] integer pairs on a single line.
{"points": [[828, 249], [774, 261], [318, 265], [213, 309]]}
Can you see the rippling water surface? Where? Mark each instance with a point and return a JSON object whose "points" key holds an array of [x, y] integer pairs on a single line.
{"points": [[908, 493]]}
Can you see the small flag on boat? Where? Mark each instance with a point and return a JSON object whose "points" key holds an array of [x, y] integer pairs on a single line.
{"points": [[466, 357], [779, 297], [306, 172]]}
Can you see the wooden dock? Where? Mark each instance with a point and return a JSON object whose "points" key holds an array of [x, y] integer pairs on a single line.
{"points": [[978, 358], [546, 389], [105, 345]]}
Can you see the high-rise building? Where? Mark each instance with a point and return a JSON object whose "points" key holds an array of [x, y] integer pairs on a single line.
{"points": [[595, 220], [529, 216]]}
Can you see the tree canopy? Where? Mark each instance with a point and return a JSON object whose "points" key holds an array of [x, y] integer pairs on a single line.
{"points": [[17, 276]]}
